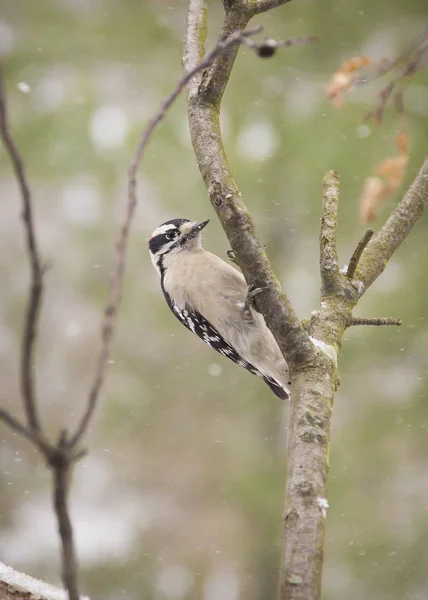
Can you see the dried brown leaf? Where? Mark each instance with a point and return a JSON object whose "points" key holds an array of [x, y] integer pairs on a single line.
{"points": [[390, 176], [372, 196], [344, 78]]}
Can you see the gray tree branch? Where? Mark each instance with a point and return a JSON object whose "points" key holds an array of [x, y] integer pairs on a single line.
{"points": [[329, 260], [313, 371], [313, 360], [204, 98]]}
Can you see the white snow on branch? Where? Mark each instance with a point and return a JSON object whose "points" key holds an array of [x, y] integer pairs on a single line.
{"points": [[359, 286], [323, 504], [328, 350], [39, 590]]}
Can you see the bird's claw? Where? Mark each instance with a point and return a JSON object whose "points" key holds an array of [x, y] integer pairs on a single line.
{"points": [[253, 291], [232, 257]]}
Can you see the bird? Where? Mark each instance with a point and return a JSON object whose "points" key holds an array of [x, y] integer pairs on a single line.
{"points": [[210, 298]]}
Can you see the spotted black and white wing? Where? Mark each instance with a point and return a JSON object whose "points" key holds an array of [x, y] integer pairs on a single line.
{"points": [[201, 327]]}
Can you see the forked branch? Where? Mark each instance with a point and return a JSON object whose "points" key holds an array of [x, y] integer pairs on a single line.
{"points": [[58, 458]]}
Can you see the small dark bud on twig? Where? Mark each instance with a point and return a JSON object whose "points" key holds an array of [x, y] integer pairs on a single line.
{"points": [[267, 49]]}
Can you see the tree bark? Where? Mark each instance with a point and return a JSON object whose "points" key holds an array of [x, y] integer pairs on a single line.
{"points": [[311, 351]]}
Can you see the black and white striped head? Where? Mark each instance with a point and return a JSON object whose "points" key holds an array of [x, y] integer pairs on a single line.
{"points": [[172, 237]]}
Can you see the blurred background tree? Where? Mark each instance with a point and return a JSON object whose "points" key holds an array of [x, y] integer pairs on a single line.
{"points": [[181, 495]]}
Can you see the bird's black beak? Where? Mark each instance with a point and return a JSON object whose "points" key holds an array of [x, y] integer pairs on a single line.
{"points": [[198, 227]]}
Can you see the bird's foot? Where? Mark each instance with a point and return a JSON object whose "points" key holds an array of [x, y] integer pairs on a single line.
{"points": [[232, 257], [253, 291]]}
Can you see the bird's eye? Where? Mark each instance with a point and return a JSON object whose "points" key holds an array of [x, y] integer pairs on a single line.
{"points": [[171, 235]]}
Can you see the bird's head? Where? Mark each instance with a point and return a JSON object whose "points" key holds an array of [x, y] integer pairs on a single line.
{"points": [[172, 237]]}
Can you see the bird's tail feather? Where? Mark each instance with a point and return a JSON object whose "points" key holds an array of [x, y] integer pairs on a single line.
{"points": [[277, 389]]}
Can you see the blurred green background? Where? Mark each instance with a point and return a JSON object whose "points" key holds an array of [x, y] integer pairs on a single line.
{"points": [[181, 496]]}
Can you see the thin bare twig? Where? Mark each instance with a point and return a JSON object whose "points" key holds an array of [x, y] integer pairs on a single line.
{"points": [[360, 70], [36, 288], [355, 259], [400, 77], [16, 425], [414, 48], [268, 47], [237, 37], [108, 326], [376, 322], [409, 62]]}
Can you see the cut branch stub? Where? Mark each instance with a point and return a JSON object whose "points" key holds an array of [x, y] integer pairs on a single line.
{"points": [[329, 262]]}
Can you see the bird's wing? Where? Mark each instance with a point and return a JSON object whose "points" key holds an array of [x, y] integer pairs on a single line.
{"points": [[222, 291], [199, 325]]}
